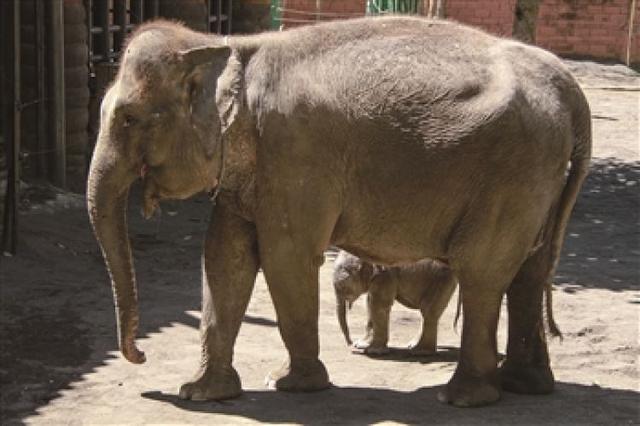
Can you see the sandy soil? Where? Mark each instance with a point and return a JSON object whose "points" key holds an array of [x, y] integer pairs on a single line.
{"points": [[58, 363]]}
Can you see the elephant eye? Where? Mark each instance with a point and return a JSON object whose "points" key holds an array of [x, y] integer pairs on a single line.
{"points": [[129, 120]]}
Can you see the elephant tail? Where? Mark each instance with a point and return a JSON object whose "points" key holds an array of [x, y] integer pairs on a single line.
{"points": [[551, 323], [458, 310], [578, 171]]}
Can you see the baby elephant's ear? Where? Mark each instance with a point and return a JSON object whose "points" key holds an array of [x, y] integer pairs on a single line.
{"points": [[204, 55], [367, 270]]}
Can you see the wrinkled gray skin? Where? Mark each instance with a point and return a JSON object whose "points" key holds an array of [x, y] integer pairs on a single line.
{"points": [[397, 139], [426, 285]]}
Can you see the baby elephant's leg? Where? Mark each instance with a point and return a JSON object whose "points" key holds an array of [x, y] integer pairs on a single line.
{"points": [[431, 308], [379, 301], [425, 342]]}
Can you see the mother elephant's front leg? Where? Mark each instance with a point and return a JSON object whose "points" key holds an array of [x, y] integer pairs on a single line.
{"points": [[230, 264], [292, 277], [293, 234]]}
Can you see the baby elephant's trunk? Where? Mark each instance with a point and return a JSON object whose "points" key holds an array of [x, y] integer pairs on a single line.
{"points": [[341, 308]]}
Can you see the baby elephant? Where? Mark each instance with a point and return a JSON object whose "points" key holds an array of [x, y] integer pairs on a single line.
{"points": [[426, 285]]}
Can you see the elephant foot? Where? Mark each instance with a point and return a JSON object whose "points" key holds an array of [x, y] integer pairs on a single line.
{"points": [[366, 347], [420, 348], [212, 384], [468, 391], [299, 376], [527, 379]]}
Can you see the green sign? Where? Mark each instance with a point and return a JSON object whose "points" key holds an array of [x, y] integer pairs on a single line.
{"points": [[375, 7]]}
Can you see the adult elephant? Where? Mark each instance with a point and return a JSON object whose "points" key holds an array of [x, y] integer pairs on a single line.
{"points": [[396, 139]]}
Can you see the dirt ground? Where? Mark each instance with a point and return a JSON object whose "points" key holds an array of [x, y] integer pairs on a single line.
{"points": [[58, 358]]}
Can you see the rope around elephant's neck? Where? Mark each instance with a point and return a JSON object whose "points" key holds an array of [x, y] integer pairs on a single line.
{"points": [[213, 194]]}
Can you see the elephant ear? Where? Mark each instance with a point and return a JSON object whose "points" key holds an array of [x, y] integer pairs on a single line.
{"points": [[204, 55], [367, 271], [205, 64]]}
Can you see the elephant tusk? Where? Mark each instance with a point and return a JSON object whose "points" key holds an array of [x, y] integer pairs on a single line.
{"points": [[143, 170]]}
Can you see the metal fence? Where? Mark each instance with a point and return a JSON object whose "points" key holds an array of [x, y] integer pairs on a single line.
{"points": [[45, 26], [286, 14], [392, 6], [108, 22]]}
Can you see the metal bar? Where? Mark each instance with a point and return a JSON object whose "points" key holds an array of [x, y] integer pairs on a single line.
{"points": [[136, 12], [328, 14], [111, 29], [219, 15], [41, 113], [297, 21], [101, 15], [208, 17], [151, 9], [120, 20], [229, 16], [12, 51], [88, 6], [57, 73]]}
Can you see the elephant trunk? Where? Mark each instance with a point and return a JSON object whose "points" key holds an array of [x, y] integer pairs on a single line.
{"points": [[107, 192], [341, 309]]}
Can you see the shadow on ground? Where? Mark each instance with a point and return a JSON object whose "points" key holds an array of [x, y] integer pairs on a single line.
{"points": [[444, 354], [602, 245], [56, 323], [590, 404]]}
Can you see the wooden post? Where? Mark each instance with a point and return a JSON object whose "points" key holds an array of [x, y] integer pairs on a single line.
{"points": [[525, 20], [440, 9], [435, 8], [58, 130], [632, 16]]}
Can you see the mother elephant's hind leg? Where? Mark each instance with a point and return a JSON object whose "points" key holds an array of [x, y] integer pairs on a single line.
{"points": [[475, 381], [526, 369], [230, 264], [485, 265]]}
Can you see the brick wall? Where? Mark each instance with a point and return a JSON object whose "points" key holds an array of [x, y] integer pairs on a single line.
{"points": [[301, 12], [596, 28], [587, 28], [494, 16]]}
